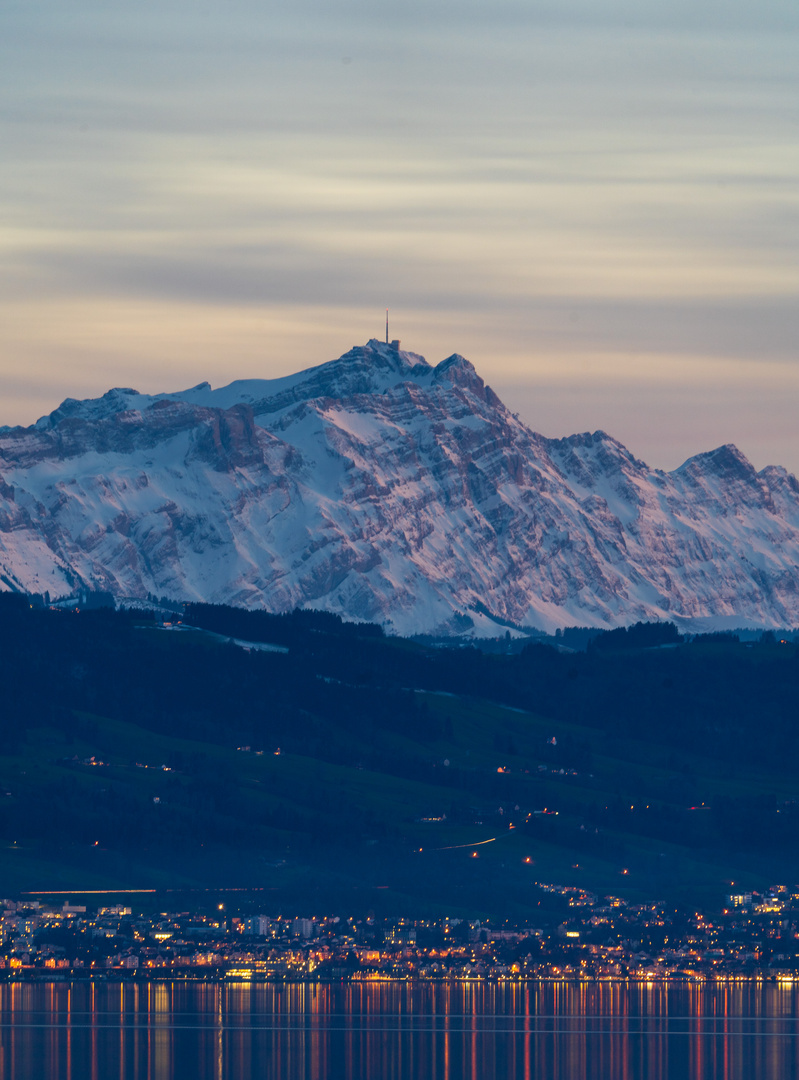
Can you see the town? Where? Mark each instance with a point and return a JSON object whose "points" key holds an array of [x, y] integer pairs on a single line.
{"points": [[754, 935]]}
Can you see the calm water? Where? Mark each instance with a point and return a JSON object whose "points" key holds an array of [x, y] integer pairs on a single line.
{"points": [[172, 1031]]}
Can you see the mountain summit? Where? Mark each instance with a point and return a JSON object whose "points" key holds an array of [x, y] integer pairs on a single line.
{"points": [[383, 488]]}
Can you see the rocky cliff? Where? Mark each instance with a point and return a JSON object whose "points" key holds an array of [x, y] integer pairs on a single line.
{"points": [[383, 488]]}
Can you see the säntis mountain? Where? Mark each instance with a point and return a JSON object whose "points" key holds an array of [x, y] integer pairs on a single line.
{"points": [[385, 489]]}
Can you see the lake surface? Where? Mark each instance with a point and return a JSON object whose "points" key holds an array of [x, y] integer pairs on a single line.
{"points": [[398, 1031]]}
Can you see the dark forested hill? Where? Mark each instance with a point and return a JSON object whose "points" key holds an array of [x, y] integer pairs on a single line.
{"points": [[300, 754]]}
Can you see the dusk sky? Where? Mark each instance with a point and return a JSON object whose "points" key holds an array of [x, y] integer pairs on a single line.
{"points": [[596, 202]]}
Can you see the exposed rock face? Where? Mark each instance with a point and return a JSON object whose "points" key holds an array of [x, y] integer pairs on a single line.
{"points": [[383, 488]]}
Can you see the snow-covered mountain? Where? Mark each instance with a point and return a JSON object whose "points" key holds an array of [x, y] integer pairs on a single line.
{"points": [[383, 488]]}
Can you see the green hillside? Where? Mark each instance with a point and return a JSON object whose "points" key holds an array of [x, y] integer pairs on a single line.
{"points": [[349, 768]]}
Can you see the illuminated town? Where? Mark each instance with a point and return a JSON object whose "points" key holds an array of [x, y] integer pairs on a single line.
{"points": [[754, 936]]}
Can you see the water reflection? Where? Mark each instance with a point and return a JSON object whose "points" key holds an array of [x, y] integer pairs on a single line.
{"points": [[398, 1031]]}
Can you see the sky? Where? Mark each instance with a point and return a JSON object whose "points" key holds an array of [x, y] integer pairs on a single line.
{"points": [[596, 202]]}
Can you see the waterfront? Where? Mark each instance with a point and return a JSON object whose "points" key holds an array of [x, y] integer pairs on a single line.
{"points": [[398, 1030], [580, 936]]}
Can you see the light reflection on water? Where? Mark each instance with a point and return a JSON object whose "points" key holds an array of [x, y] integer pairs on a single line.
{"points": [[398, 1031]]}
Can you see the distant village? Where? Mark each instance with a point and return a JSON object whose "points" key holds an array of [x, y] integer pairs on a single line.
{"points": [[753, 935]]}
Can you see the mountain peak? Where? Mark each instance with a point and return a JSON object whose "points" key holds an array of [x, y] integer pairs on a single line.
{"points": [[725, 462], [455, 363], [459, 371], [118, 399], [379, 357]]}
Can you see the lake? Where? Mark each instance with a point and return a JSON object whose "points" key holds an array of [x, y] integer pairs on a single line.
{"points": [[397, 1031]]}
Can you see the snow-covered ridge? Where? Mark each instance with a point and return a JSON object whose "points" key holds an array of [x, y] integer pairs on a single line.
{"points": [[384, 488], [367, 369]]}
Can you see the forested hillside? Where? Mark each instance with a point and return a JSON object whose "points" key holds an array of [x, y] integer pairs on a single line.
{"points": [[345, 763]]}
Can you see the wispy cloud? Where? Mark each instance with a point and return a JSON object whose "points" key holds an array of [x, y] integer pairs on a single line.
{"points": [[532, 185]]}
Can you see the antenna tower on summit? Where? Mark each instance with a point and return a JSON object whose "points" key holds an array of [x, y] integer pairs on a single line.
{"points": [[394, 344]]}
